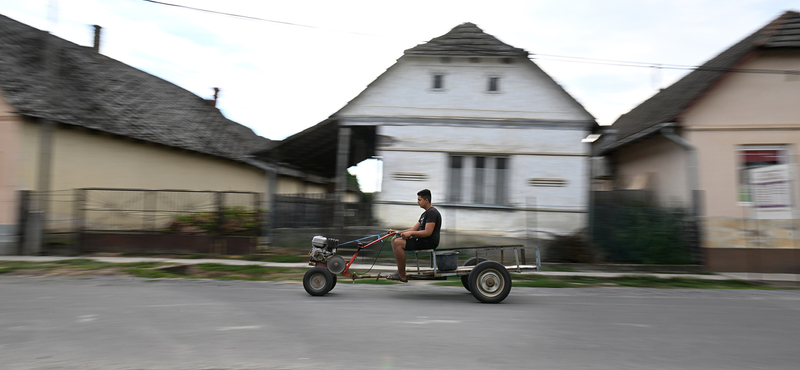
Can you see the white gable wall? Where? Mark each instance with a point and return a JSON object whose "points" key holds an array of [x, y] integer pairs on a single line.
{"points": [[531, 122], [526, 92]]}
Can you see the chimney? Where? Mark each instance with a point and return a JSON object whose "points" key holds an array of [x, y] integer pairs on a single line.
{"points": [[213, 102], [97, 38]]}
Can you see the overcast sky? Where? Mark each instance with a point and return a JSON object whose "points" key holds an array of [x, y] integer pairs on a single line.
{"points": [[280, 78]]}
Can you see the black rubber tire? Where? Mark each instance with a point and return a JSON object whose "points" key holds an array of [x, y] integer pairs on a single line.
{"points": [[334, 282], [318, 281], [490, 282], [470, 262]]}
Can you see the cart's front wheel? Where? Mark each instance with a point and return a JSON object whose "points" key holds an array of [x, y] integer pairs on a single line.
{"points": [[470, 262], [333, 285], [318, 281], [490, 282]]}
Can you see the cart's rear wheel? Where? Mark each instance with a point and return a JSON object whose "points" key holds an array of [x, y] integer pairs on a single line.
{"points": [[470, 262], [318, 281], [490, 282]]}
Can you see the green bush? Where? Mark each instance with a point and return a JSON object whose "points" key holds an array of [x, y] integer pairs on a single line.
{"points": [[640, 234]]}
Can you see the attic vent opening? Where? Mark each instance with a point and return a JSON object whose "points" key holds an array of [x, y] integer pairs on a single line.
{"points": [[474, 60], [548, 182], [406, 176], [444, 60], [507, 60]]}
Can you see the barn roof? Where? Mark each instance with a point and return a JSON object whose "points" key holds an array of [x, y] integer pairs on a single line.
{"points": [[91, 90]]}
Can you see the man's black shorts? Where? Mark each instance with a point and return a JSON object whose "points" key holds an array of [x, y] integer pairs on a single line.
{"points": [[415, 244]]}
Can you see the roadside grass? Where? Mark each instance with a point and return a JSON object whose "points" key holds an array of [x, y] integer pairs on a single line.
{"points": [[629, 281], [156, 270]]}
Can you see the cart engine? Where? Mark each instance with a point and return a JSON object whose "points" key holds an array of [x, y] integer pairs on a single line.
{"points": [[323, 248]]}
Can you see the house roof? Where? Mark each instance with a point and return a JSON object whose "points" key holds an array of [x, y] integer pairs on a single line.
{"points": [[665, 106], [467, 39], [97, 92], [314, 150]]}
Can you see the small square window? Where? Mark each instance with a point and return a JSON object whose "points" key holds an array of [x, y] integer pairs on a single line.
{"points": [[438, 81], [494, 84]]}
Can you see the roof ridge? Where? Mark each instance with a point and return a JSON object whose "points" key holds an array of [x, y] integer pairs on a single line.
{"points": [[465, 40]]}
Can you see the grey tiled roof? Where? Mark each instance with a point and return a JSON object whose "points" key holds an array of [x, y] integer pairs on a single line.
{"points": [[665, 106], [466, 39], [94, 91]]}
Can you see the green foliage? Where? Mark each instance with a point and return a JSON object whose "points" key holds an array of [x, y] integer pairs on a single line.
{"points": [[640, 234], [236, 220], [630, 281]]}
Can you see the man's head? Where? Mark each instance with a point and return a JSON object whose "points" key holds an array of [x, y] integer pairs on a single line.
{"points": [[424, 198]]}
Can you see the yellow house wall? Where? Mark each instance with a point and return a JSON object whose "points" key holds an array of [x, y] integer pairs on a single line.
{"points": [[10, 131], [745, 109], [664, 161], [82, 158]]}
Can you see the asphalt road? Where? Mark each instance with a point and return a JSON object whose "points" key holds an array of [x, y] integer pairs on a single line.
{"points": [[132, 323]]}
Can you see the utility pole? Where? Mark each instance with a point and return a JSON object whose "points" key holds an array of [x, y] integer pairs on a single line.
{"points": [[34, 233]]}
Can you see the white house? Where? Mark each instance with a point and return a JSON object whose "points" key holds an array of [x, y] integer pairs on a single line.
{"points": [[495, 139]]}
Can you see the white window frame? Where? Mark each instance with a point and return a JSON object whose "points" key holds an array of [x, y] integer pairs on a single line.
{"points": [[481, 179]]}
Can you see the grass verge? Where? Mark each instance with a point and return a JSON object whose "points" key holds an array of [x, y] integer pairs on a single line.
{"points": [[160, 270], [630, 281]]}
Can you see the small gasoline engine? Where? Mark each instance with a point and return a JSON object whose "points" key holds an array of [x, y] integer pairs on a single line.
{"points": [[323, 250]]}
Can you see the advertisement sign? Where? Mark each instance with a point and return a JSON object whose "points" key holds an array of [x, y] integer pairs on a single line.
{"points": [[771, 190]]}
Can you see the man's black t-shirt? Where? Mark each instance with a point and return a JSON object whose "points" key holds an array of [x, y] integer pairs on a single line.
{"points": [[431, 215]]}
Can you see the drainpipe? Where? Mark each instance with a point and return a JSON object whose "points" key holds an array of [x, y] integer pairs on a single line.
{"points": [[272, 189], [692, 171]]}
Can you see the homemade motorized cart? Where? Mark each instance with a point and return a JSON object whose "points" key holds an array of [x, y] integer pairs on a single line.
{"points": [[489, 281]]}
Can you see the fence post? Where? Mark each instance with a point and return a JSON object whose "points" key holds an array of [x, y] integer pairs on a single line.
{"points": [[220, 221], [79, 218]]}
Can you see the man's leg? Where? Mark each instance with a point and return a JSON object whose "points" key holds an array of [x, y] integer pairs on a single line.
{"points": [[399, 249]]}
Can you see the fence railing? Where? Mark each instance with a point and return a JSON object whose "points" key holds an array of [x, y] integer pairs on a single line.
{"points": [[168, 211]]}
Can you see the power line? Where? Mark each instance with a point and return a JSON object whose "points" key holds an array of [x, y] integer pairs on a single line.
{"points": [[621, 63], [559, 58], [251, 18]]}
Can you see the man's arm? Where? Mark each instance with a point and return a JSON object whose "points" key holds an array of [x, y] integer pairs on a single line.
{"points": [[420, 233], [405, 234]]}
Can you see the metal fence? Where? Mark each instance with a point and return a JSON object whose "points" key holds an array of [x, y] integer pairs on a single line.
{"points": [[168, 211], [319, 211]]}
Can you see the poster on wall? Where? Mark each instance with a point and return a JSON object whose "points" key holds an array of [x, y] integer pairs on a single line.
{"points": [[771, 189]]}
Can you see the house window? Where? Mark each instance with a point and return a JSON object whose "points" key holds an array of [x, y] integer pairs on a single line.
{"points": [[438, 81], [456, 178], [752, 157], [478, 179], [494, 84]]}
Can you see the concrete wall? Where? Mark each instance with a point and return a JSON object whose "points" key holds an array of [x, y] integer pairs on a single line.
{"points": [[549, 153]]}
